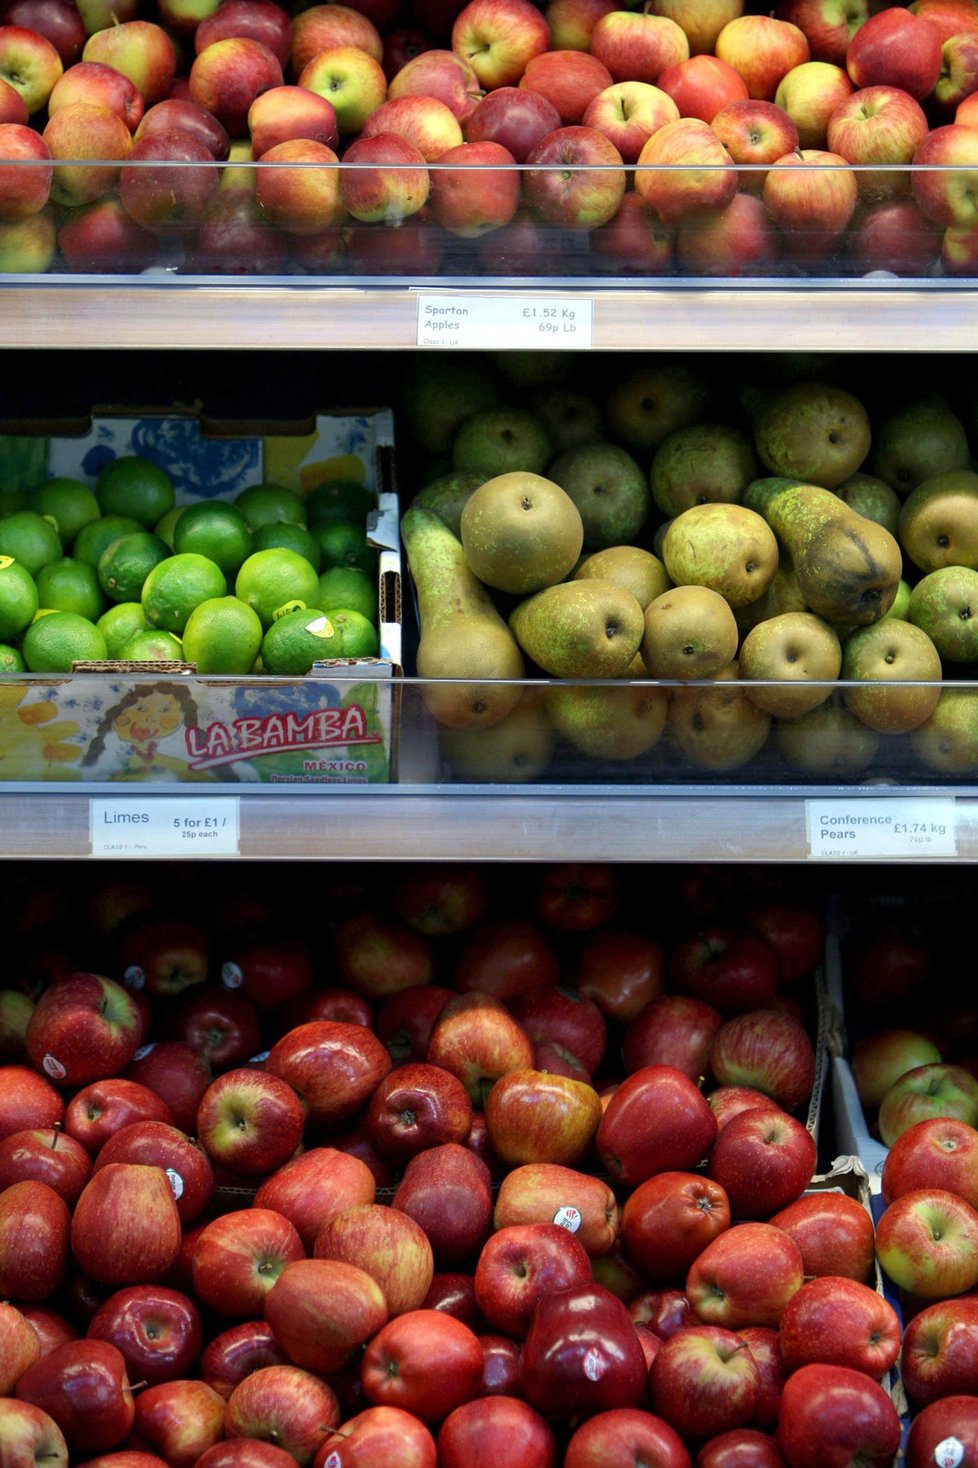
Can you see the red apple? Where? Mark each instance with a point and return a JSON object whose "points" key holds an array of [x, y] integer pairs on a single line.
{"points": [[755, 133], [227, 76], [496, 1430], [662, 1311], [430, 127], [333, 1067], [896, 48], [833, 1232], [938, 1356], [284, 1405], [628, 113], [441, 898], [99, 85], [26, 177], [702, 85], [684, 171], [927, 1242], [624, 1436], [704, 1381], [158, 1331], [737, 240], [769, 1051], [157, 1144], [810, 94], [745, 1276], [100, 1109], [239, 1256], [261, 20], [220, 1024], [568, 79], [165, 199], [177, 1073], [656, 1121], [179, 1419], [250, 1121], [762, 49], [29, 63], [322, 27], [498, 38], [404, 1021], [669, 1219], [763, 1160], [313, 1188], [34, 1234], [740, 1447], [726, 1102], [83, 1028], [939, 1152], [796, 932], [29, 1435], [546, 1192], [417, 1106], [378, 1435], [581, 1354], [578, 182], [162, 954], [52, 1329], [240, 1452], [141, 50], [728, 967], [392, 184], [389, 1245], [832, 1416], [475, 190], [534, 1116], [447, 1190], [425, 1362], [45, 1155], [318, 1341], [840, 1322], [881, 1057], [828, 25], [478, 1040], [878, 125], [672, 1030], [287, 112], [441, 74], [125, 1228], [935, 1090], [235, 1353], [20, 1347], [352, 80], [13, 108], [505, 956], [521, 1264], [638, 46], [516, 119], [83, 1386], [762, 1342]]}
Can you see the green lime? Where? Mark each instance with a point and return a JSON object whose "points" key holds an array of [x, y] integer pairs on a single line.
{"points": [[153, 646], [222, 635], [339, 499], [11, 660], [132, 485], [119, 623], [70, 586], [270, 580], [270, 504], [30, 539], [69, 503], [177, 585], [18, 597], [93, 538], [125, 563], [344, 543], [53, 643], [219, 532], [353, 635], [294, 642], [164, 527], [348, 586], [288, 537]]}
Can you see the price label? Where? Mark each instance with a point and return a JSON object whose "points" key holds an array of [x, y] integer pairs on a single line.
{"points": [[165, 826], [505, 322], [839, 829]]}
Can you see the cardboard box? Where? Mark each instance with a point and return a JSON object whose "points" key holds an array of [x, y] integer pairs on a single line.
{"points": [[164, 724]]}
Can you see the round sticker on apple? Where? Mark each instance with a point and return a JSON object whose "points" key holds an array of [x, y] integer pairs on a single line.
{"points": [[134, 976], [176, 1182], [231, 976], [143, 1051], [260, 1058], [569, 1218], [949, 1453], [52, 1067], [333, 1460]]}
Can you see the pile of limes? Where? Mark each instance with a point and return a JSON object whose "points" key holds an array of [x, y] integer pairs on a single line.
{"points": [[267, 583]]}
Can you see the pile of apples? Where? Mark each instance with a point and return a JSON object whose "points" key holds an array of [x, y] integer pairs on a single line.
{"points": [[466, 1164], [916, 1081], [690, 136]]}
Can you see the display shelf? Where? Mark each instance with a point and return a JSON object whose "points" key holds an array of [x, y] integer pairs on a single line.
{"points": [[467, 823], [880, 314]]}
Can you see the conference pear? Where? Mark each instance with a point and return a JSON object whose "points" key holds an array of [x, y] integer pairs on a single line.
{"points": [[690, 632], [816, 431], [580, 629], [521, 532], [939, 521], [727, 547]]}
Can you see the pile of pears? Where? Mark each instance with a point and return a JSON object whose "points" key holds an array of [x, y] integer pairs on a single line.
{"points": [[780, 572]]}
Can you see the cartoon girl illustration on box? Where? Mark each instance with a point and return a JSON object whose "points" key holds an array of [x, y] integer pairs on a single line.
{"points": [[142, 720]]}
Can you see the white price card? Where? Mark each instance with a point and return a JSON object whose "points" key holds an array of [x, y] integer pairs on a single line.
{"points": [[136, 825], [505, 322], [879, 828]]}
